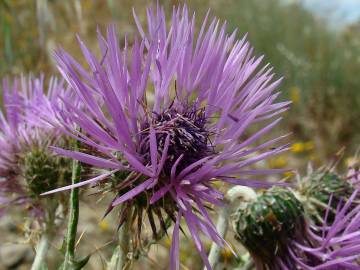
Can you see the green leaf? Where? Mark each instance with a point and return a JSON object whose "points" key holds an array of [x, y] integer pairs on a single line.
{"points": [[79, 264], [75, 264]]}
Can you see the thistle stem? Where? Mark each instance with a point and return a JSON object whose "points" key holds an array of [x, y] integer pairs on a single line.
{"points": [[124, 243], [42, 246], [222, 226], [41, 251], [232, 196], [73, 218], [119, 259]]}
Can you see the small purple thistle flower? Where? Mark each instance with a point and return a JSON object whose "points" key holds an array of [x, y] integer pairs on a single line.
{"points": [[315, 188], [333, 246], [280, 236], [313, 226], [171, 116], [25, 136]]}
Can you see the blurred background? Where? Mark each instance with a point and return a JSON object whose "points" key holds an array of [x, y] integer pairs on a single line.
{"points": [[314, 44]]}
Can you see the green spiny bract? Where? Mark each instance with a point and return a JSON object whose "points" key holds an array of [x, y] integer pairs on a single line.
{"points": [[43, 171], [160, 214], [318, 188], [265, 225]]}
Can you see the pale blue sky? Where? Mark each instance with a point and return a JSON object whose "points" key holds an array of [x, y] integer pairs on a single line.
{"points": [[345, 10], [338, 11]]}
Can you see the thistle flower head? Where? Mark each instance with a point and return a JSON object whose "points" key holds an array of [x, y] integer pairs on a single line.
{"points": [[317, 186], [27, 167], [279, 236], [169, 117], [334, 244], [268, 224]]}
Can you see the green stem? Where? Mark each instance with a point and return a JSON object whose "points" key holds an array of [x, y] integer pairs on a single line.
{"points": [[236, 196], [41, 251], [124, 243], [73, 218], [222, 228], [119, 259], [43, 245]]}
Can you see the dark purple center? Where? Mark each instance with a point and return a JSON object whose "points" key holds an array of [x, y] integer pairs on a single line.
{"points": [[188, 137]]}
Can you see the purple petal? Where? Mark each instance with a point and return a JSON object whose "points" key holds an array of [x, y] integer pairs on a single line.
{"points": [[89, 159], [132, 193]]}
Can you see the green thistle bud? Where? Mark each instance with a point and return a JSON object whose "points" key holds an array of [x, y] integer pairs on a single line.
{"points": [[316, 189], [265, 225], [43, 171]]}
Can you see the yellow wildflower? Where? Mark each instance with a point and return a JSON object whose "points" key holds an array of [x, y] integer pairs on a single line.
{"points": [[298, 147], [104, 225], [278, 162], [295, 94]]}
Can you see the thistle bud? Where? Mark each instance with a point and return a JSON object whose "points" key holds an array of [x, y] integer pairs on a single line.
{"points": [[41, 171], [27, 166], [266, 225], [322, 190]]}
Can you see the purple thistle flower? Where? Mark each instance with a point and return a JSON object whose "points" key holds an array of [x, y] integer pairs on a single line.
{"points": [[335, 246], [315, 188], [25, 136], [314, 226], [169, 117], [280, 236]]}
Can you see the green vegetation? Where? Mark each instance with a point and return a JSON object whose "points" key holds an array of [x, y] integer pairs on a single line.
{"points": [[320, 68], [319, 65]]}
